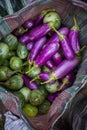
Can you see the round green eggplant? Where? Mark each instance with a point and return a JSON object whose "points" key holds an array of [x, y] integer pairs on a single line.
{"points": [[52, 87], [22, 51], [4, 49], [11, 41], [36, 97], [15, 63], [13, 83], [44, 107]]}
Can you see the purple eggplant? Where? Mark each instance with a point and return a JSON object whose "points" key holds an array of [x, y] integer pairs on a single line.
{"points": [[55, 37], [52, 96], [50, 64], [44, 76], [65, 45], [50, 21], [47, 53], [66, 81], [65, 67], [27, 82], [29, 46], [39, 31], [39, 19], [28, 24], [24, 39], [57, 58], [36, 48], [74, 38]]}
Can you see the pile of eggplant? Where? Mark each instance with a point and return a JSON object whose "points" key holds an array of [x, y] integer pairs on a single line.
{"points": [[39, 60]]}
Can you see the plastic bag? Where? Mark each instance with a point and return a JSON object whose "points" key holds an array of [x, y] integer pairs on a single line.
{"points": [[67, 10]]}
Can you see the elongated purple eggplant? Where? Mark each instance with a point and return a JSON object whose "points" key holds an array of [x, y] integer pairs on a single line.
{"points": [[65, 67], [39, 19], [50, 21], [74, 38], [50, 64], [55, 37], [28, 24], [65, 45], [24, 39], [44, 76], [29, 45], [27, 82], [39, 32], [45, 55], [57, 58], [66, 81], [36, 48]]}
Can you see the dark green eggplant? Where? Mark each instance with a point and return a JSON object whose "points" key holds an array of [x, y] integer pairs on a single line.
{"points": [[15, 63], [13, 83], [5, 73], [22, 51], [4, 49], [11, 41], [44, 107]]}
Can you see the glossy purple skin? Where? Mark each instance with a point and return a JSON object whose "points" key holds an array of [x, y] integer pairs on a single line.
{"points": [[66, 48], [29, 45], [36, 48], [32, 85], [44, 76], [65, 67], [55, 37], [57, 58], [24, 39], [50, 64], [47, 53], [74, 40], [39, 19], [28, 24], [51, 97], [64, 30], [39, 31]]}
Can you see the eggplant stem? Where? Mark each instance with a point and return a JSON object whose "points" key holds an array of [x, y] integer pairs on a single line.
{"points": [[31, 69], [76, 27], [24, 64], [51, 78], [37, 77], [82, 49], [61, 36], [30, 64], [65, 81], [46, 81]]}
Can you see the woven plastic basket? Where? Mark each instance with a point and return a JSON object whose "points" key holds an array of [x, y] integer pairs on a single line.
{"points": [[67, 9]]}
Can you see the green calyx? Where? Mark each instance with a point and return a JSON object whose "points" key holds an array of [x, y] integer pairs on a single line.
{"points": [[65, 81], [75, 27], [52, 77], [22, 30], [33, 67], [44, 12], [61, 36]]}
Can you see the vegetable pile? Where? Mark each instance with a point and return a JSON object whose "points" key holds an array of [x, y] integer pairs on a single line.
{"points": [[39, 60]]}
